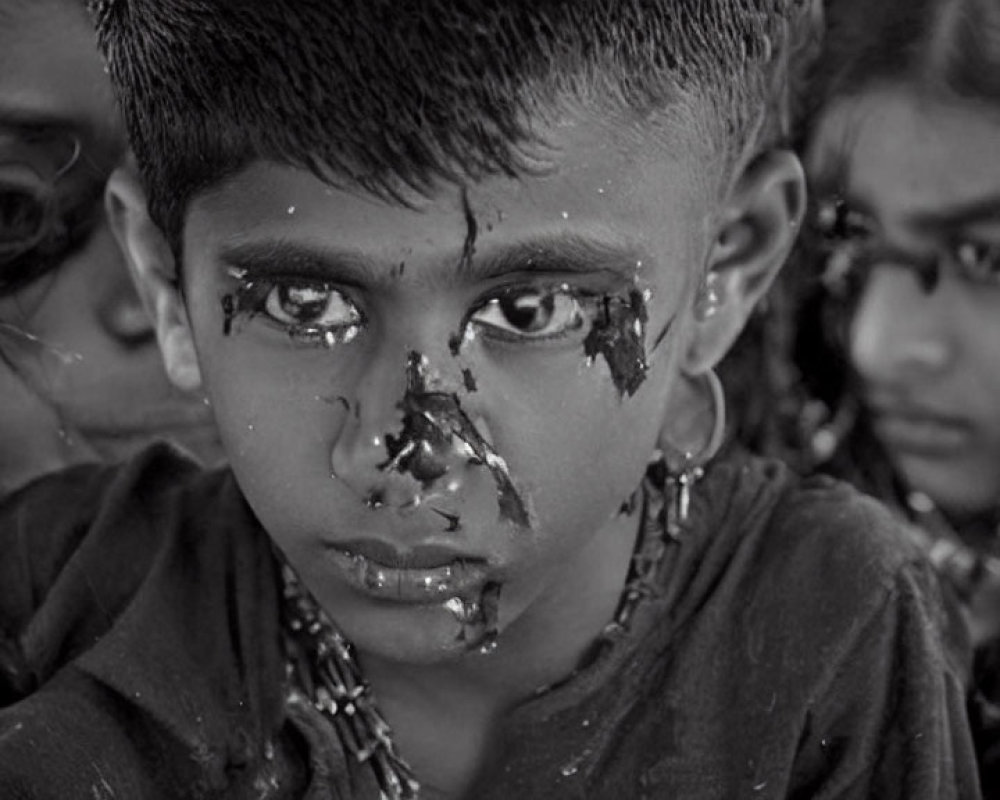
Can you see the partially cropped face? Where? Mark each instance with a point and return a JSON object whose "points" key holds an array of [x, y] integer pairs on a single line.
{"points": [[920, 180], [76, 337], [438, 412]]}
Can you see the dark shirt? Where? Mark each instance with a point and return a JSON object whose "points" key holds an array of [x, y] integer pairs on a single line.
{"points": [[793, 650]]}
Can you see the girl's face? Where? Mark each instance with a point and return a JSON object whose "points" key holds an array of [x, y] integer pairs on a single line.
{"points": [[919, 222], [76, 338]]}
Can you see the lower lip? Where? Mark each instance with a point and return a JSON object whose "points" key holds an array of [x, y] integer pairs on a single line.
{"points": [[923, 436], [425, 586]]}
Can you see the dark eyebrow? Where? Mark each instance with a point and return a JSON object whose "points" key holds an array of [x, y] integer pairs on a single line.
{"points": [[560, 254], [568, 253], [943, 220], [961, 215], [281, 257]]}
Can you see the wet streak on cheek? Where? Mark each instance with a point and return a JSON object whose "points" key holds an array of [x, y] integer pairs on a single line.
{"points": [[661, 337], [436, 431], [469, 380], [618, 335], [465, 262], [471, 233], [243, 302]]}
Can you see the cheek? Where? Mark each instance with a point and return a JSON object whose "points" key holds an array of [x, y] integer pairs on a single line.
{"points": [[277, 412], [575, 446], [981, 343]]}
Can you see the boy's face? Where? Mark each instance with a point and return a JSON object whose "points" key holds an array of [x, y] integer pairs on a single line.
{"points": [[405, 394], [438, 412]]}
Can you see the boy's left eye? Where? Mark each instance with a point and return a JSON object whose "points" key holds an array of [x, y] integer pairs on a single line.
{"points": [[308, 305], [530, 314]]}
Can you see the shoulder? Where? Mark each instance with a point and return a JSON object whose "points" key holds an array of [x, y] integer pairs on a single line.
{"points": [[49, 523], [828, 530], [839, 568], [814, 554], [77, 546]]}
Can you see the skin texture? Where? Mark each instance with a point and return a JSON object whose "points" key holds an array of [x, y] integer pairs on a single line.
{"points": [[84, 378], [929, 362], [306, 419]]}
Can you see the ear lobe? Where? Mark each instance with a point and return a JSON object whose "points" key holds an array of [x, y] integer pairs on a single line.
{"points": [[154, 271], [760, 222]]}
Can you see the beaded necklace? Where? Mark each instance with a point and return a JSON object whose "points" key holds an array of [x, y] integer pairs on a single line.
{"points": [[321, 665]]}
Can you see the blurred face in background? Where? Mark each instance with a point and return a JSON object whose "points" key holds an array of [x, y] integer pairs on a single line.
{"points": [[82, 376], [909, 183]]}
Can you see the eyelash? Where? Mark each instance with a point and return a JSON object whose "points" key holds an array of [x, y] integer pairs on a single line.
{"points": [[583, 310], [254, 295], [852, 249], [848, 259]]}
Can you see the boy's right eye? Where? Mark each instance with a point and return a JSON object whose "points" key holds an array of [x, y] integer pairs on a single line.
{"points": [[306, 305]]}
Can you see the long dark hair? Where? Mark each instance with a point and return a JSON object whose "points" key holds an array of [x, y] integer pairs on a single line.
{"points": [[942, 48]]}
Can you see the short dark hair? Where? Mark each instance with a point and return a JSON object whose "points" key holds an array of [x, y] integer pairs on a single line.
{"points": [[386, 94]]}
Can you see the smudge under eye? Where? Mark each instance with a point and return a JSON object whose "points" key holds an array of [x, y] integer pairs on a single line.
{"points": [[619, 335]]}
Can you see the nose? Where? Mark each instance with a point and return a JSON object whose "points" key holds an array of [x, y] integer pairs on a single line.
{"points": [[901, 332], [397, 441]]}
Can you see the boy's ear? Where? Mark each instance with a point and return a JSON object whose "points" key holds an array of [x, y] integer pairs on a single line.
{"points": [[759, 224], [154, 271]]}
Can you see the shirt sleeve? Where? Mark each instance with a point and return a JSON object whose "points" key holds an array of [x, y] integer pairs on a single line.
{"points": [[42, 527], [74, 548], [892, 722]]}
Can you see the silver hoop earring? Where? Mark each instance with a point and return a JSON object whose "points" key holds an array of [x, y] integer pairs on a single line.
{"points": [[680, 480]]}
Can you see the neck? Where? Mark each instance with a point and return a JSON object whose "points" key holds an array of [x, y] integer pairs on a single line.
{"points": [[545, 638]]}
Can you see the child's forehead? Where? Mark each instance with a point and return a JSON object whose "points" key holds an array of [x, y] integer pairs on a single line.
{"points": [[587, 181]]}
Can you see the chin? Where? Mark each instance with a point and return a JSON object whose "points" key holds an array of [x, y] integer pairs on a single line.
{"points": [[956, 491], [416, 635]]}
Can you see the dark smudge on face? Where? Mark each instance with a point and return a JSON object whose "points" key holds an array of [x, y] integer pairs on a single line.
{"points": [[336, 400], [375, 499], [471, 233], [453, 520], [479, 618], [243, 302], [436, 431], [618, 334], [469, 380], [662, 336]]}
